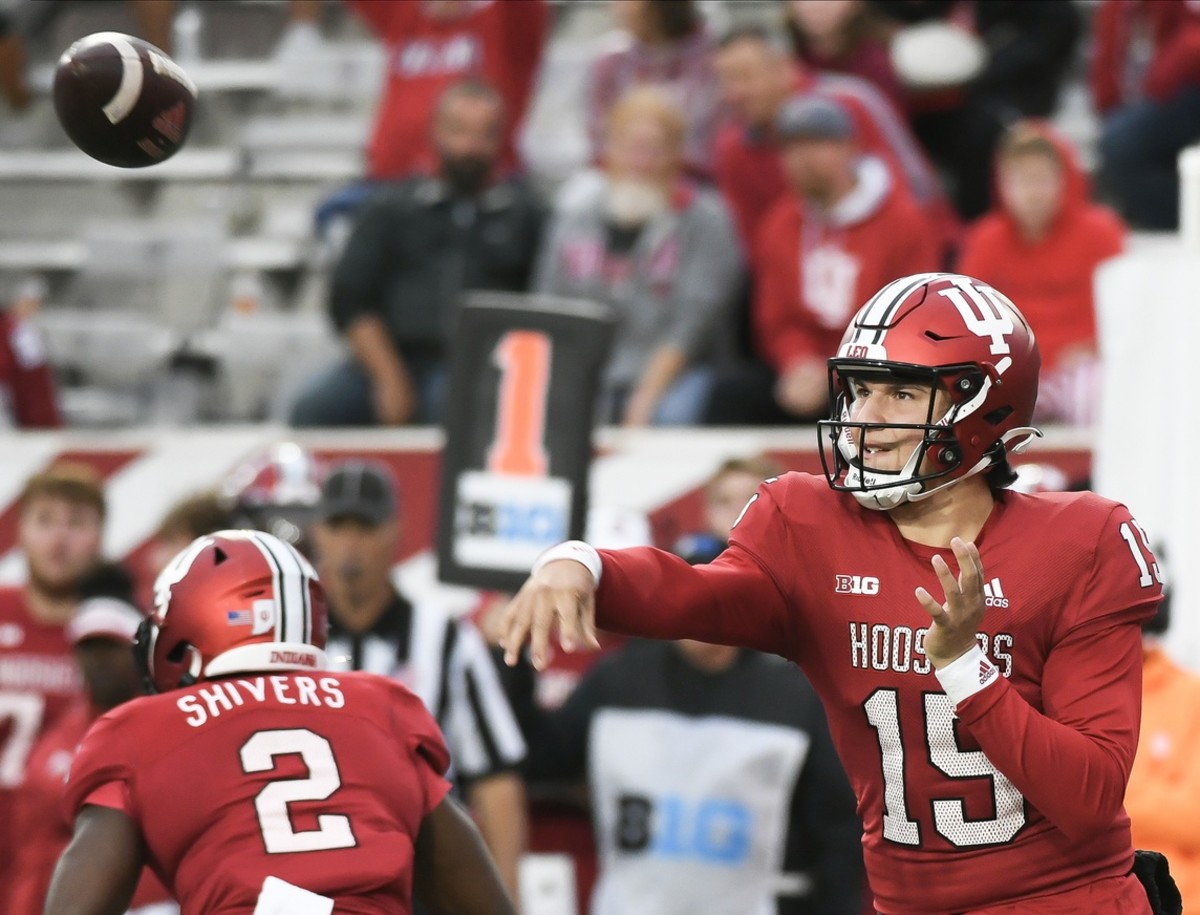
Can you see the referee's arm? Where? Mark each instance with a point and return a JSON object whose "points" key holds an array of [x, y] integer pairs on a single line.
{"points": [[488, 749]]}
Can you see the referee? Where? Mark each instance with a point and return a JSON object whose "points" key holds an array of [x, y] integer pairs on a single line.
{"points": [[443, 660]]}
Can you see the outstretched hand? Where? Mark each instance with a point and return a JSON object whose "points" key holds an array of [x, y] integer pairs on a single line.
{"points": [[561, 593], [956, 621]]}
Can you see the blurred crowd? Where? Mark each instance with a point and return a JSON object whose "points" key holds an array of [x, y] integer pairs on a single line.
{"points": [[747, 191], [748, 187]]}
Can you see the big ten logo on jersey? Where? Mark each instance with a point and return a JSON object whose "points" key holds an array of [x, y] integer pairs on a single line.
{"points": [[523, 380], [856, 584], [901, 649], [711, 830]]}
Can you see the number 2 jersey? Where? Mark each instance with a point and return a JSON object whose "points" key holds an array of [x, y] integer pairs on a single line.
{"points": [[1014, 793], [321, 780]]}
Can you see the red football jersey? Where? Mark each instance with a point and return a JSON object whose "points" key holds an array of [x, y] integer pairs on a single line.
{"points": [[1014, 793], [499, 42], [40, 821], [38, 680], [321, 780]]}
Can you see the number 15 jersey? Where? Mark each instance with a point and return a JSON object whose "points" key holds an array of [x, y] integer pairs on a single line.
{"points": [[318, 779], [1017, 791]]}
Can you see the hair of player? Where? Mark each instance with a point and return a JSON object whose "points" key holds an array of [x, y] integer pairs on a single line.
{"points": [[770, 39], [76, 484], [1001, 475], [196, 515], [470, 88]]}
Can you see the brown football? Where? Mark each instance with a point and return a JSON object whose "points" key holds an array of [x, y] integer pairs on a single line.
{"points": [[122, 100]]}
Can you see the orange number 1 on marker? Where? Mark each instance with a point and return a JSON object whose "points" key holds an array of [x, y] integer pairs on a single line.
{"points": [[523, 357]]}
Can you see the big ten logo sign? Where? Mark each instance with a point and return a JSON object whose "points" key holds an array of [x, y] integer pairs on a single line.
{"points": [[509, 512], [712, 830]]}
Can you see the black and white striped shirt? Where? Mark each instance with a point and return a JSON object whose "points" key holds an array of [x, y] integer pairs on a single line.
{"points": [[446, 663]]}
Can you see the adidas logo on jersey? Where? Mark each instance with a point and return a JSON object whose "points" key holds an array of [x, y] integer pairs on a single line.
{"points": [[987, 670], [993, 594]]}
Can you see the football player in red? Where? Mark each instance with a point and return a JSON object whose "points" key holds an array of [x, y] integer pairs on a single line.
{"points": [[102, 632], [977, 650], [256, 781], [59, 528]]}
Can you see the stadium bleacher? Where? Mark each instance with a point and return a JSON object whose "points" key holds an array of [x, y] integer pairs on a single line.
{"points": [[276, 132]]}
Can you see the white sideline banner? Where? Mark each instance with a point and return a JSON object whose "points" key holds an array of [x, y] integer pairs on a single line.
{"points": [[1148, 432]]}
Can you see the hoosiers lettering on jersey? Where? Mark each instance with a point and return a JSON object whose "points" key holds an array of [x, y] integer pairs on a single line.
{"points": [[878, 646], [209, 701]]}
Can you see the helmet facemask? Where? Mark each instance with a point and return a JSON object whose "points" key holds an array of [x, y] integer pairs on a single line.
{"points": [[937, 456]]}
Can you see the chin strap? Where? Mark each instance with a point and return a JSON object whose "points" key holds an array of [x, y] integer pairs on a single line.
{"points": [[1029, 433], [1026, 434]]}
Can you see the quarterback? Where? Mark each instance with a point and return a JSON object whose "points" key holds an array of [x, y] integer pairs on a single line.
{"points": [[978, 651], [255, 780]]}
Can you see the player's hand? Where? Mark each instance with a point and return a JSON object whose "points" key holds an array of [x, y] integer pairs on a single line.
{"points": [[561, 594], [956, 621]]}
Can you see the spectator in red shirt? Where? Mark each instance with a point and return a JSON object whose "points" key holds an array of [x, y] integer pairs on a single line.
{"points": [[101, 633], [846, 230], [27, 395], [1042, 246], [60, 521], [1145, 130], [668, 47], [432, 44], [758, 75], [1025, 52]]}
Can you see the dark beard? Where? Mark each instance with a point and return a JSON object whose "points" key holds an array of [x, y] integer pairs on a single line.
{"points": [[466, 175]]}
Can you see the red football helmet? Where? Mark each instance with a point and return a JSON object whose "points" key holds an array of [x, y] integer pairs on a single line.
{"points": [[959, 335], [232, 602]]}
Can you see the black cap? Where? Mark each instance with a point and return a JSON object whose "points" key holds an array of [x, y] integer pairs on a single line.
{"points": [[815, 117], [362, 490]]}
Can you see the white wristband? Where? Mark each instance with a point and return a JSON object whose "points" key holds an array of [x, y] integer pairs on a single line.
{"points": [[966, 675], [571, 549]]}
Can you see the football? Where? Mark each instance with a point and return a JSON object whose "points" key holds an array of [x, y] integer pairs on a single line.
{"points": [[122, 100]]}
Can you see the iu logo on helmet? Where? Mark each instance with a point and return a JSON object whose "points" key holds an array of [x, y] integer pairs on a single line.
{"points": [[986, 314], [174, 573]]}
